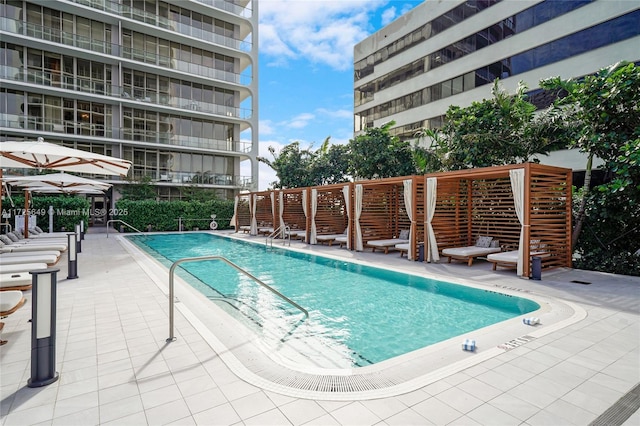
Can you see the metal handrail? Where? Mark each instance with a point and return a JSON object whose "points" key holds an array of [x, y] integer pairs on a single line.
{"points": [[279, 230], [236, 267], [122, 221]]}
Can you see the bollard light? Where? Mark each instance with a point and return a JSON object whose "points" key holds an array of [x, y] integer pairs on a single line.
{"points": [[82, 229], [72, 255], [536, 268], [43, 327], [78, 240]]}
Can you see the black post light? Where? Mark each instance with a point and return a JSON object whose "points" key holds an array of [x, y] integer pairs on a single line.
{"points": [[43, 327], [72, 255], [78, 239], [82, 229]]}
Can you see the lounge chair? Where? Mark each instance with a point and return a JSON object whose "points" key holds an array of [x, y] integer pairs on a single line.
{"points": [[23, 267], [330, 238], [10, 301], [16, 281], [29, 257], [341, 239], [509, 259], [484, 246], [12, 248], [389, 244]]}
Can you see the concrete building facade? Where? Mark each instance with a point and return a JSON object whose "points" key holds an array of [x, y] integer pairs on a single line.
{"points": [[449, 53], [171, 85]]}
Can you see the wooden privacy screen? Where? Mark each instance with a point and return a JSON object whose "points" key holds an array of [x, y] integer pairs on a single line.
{"points": [[243, 214], [331, 214], [293, 213], [264, 214], [384, 211], [480, 202], [469, 203]]}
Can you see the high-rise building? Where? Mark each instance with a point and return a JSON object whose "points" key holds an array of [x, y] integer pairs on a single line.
{"points": [[171, 85], [444, 53]]}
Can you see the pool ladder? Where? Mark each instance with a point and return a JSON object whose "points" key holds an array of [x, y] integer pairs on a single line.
{"points": [[233, 265], [284, 231]]}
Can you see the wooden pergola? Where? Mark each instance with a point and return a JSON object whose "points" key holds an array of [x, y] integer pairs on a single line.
{"points": [[485, 202], [525, 207]]}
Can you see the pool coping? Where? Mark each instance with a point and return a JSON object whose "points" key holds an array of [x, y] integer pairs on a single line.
{"points": [[239, 350]]}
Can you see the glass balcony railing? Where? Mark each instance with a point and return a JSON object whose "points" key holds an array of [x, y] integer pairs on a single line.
{"points": [[162, 22], [70, 39], [199, 178], [102, 87], [80, 128]]}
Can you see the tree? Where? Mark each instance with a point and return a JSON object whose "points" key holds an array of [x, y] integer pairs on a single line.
{"points": [[331, 164], [292, 166], [139, 190], [605, 111], [498, 131], [378, 154]]}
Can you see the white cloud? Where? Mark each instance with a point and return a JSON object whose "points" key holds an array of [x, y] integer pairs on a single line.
{"points": [[338, 113], [388, 15], [266, 127], [301, 121], [321, 31], [266, 175]]}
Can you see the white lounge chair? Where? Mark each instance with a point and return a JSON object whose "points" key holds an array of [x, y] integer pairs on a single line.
{"points": [[15, 281], [23, 267], [509, 259], [385, 245], [483, 247], [22, 258], [10, 301]]}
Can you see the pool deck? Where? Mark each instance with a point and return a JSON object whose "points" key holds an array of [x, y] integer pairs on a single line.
{"points": [[116, 367]]}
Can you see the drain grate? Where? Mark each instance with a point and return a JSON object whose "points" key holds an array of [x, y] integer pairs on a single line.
{"points": [[619, 412], [580, 282]]}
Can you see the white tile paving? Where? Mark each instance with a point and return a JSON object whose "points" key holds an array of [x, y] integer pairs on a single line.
{"points": [[116, 368]]}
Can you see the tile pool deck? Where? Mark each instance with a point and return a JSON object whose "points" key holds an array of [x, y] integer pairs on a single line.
{"points": [[116, 368]]}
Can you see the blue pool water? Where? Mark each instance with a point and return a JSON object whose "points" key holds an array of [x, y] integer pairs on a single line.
{"points": [[363, 314]]}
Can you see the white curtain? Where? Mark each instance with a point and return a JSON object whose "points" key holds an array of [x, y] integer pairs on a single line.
{"points": [[358, 207], [432, 246], [254, 222], [314, 210], [517, 187], [305, 196], [234, 219], [347, 202], [273, 208], [408, 205], [281, 213]]}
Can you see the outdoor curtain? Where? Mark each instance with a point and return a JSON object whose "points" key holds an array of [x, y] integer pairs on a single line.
{"points": [[432, 246], [273, 207], [358, 207], [347, 202], [254, 222], [314, 209], [408, 205], [517, 187], [234, 218], [281, 213], [305, 196]]}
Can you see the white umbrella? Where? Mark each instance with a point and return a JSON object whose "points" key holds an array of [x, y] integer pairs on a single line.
{"points": [[44, 155], [80, 189], [56, 181]]}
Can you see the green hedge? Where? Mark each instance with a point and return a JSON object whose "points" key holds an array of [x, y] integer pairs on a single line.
{"points": [[163, 215], [67, 211]]}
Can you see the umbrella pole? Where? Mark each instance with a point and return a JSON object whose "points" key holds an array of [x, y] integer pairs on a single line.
{"points": [[26, 214]]}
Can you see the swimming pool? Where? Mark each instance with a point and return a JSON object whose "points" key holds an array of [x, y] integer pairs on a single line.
{"points": [[359, 315]]}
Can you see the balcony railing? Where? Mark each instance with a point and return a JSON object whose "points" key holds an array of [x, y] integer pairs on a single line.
{"points": [[73, 127], [162, 22], [103, 47], [102, 87]]}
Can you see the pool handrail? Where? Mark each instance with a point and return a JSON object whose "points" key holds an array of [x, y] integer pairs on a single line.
{"points": [[122, 221], [175, 264], [284, 230]]}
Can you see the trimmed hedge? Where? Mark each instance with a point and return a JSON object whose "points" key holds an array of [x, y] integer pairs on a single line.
{"points": [[67, 211], [163, 215]]}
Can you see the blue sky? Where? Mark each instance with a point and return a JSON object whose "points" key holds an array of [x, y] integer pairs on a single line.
{"points": [[306, 68]]}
